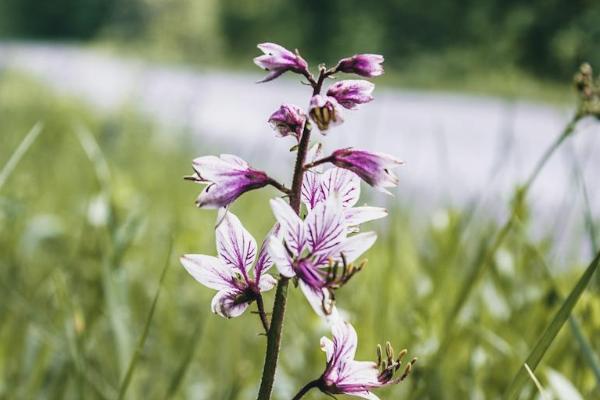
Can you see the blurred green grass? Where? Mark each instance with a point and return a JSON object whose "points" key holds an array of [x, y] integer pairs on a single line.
{"points": [[86, 221]]}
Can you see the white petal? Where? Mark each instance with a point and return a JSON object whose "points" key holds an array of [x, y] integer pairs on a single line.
{"points": [[266, 283], [273, 48], [326, 226], [291, 226], [209, 271], [343, 182], [212, 168], [224, 304], [361, 373], [354, 246], [359, 215], [264, 261], [312, 192], [327, 347], [280, 257], [235, 245], [231, 159], [345, 341], [365, 395], [317, 298]]}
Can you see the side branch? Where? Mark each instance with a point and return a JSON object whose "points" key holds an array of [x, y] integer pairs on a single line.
{"points": [[279, 186]]}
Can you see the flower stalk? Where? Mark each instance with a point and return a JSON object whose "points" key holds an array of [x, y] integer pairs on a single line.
{"points": [[277, 317]]}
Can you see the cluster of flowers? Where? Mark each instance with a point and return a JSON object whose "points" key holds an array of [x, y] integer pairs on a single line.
{"points": [[318, 251]]}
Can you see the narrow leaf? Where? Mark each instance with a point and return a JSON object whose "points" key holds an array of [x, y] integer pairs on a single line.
{"points": [[144, 335], [16, 156], [552, 330]]}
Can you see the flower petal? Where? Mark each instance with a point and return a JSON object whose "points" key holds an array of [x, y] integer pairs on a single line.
{"points": [[354, 246], [225, 304], [359, 215], [327, 347], [235, 246], [312, 192], [363, 373], [345, 341], [325, 226], [291, 226], [365, 394], [318, 298], [209, 271], [264, 261], [280, 257], [266, 283], [345, 183]]}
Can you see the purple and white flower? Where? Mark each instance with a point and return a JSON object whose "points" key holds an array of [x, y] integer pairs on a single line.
{"points": [[350, 93], [373, 167], [228, 177], [288, 120], [344, 375], [368, 65], [229, 272], [278, 59], [325, 111], [310, 249], [319, 186]]}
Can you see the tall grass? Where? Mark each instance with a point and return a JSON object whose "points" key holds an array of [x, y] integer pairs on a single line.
{"points": [[85, 221]]}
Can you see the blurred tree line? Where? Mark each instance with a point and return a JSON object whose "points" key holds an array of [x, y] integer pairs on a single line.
{"points": [[545, 37]]}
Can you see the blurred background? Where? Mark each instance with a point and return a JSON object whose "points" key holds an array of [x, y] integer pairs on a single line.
{"points": [[104, 103]]}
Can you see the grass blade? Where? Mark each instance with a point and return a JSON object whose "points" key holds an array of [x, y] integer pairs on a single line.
{"points": [[144, 335], [552, 330], [585, 346], [535, 380], [187, 359], [14, 159]]}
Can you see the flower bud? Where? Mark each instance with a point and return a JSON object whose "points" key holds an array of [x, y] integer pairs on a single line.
{"points": [[374, 168], [325, 111], [228, 177], [278, 60], [351, 93], [288, 120], [368, 65]]}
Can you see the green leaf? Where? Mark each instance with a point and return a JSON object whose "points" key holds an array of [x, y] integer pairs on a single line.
{"points": [[20, 151], [552, 330]]}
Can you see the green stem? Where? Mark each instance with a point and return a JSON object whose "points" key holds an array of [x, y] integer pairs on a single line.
{"points": [[274, 332], [261, 312], [307, 388]]}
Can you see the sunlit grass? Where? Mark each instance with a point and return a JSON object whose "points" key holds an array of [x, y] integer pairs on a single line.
{"points": [[86, 218]]}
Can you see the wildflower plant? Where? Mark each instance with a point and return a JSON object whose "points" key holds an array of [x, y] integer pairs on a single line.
{"points": [[316, 241]]}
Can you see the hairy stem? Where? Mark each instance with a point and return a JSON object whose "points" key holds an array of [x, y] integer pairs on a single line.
{"points": [[279, 186], [318, 162], [261, 312], [310, 385], [274, 332]]}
